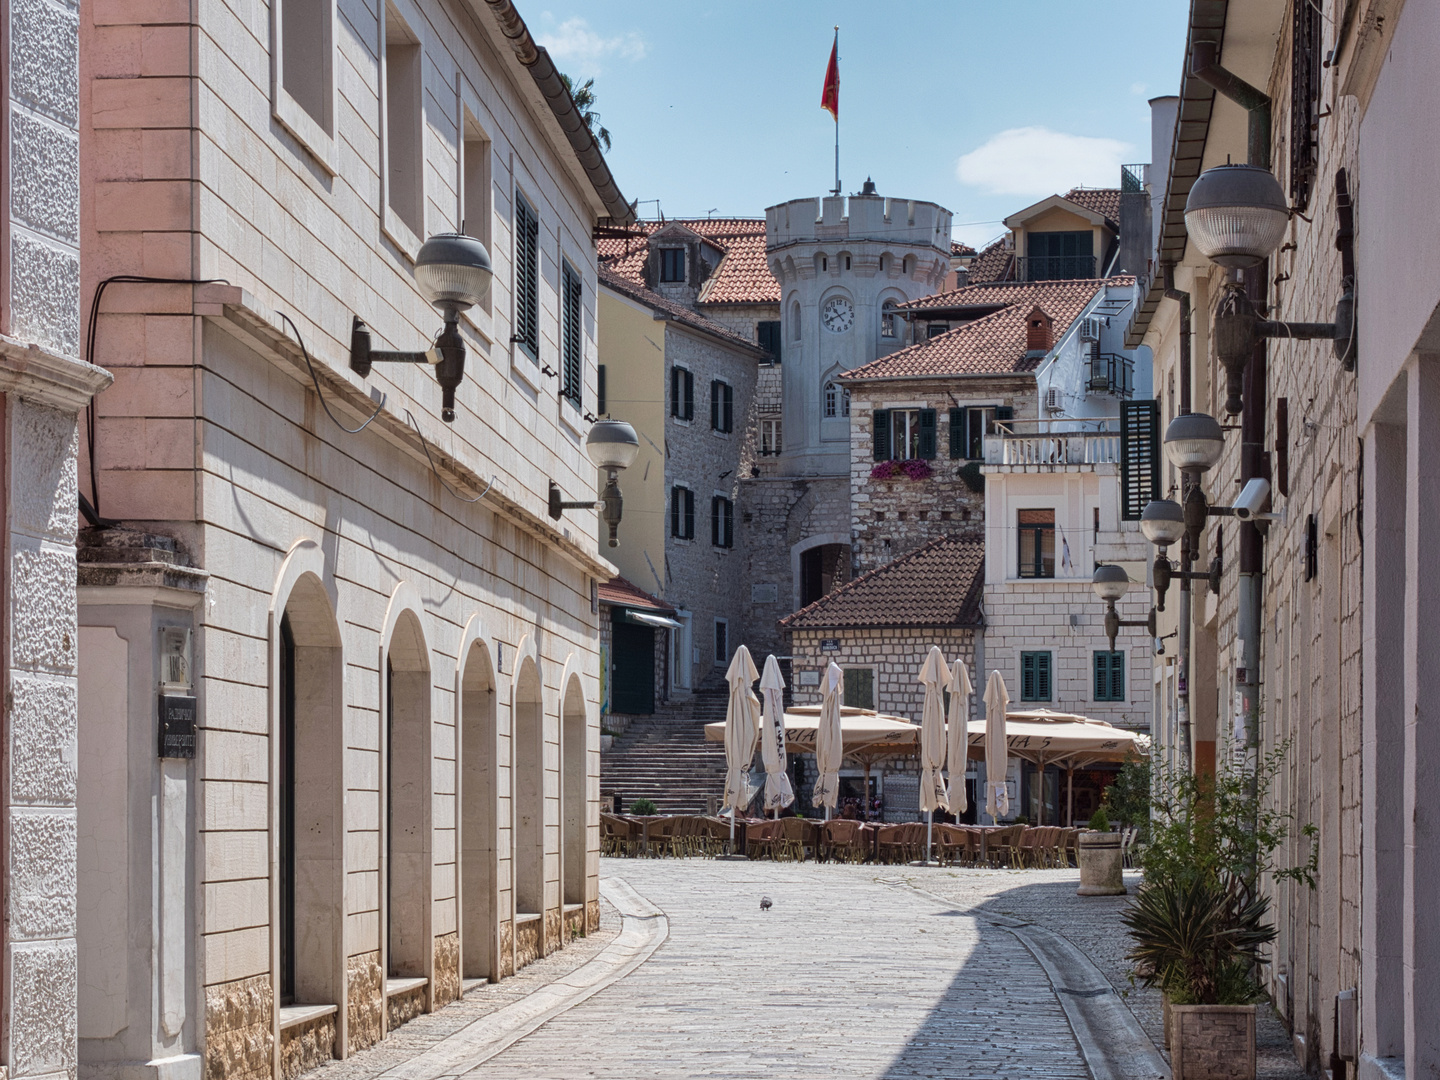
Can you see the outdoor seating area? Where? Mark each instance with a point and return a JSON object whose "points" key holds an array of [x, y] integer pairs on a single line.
{"points": [[797, 839]]}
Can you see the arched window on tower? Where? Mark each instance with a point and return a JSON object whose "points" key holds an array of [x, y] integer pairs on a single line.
{"points": [[837, 400], [887, 319], [794, 320]]}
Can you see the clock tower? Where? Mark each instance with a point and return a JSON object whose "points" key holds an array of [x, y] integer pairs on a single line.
{"points": [[840, 263]]}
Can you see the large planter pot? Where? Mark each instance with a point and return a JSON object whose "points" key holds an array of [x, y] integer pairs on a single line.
{"points": [[1101, 861], [1212, 1042]]}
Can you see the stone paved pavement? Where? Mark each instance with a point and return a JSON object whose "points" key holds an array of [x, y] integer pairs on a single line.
{"points": [[847, 976]]}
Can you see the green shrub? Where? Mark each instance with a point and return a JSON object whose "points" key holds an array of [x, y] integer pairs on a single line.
{"points": [[1128, 798], [643, 807], [1100, 820]]}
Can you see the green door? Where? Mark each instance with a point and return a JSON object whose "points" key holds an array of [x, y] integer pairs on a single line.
{"points": [[632, 668]]}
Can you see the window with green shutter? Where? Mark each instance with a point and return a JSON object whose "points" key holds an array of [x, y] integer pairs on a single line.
{"points": [[527, 278], [600, 403], [957, 433], [858, 688], [880, 424], [1139, 457], [1035, 676], [682, 513], [1109, 675], [722, 406], [722, 522], [573, 380], [682, 393], [927, 435]]}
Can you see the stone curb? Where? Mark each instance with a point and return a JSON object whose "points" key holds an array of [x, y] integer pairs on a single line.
{"points": [[643, 930], [1113, 1043]]}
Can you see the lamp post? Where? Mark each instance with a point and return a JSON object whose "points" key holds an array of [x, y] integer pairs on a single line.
{"points": [[612, 446], [453, 272], [1110, 583], [1237, 215]]}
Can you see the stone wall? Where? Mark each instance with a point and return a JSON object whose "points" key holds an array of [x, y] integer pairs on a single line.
{"points": [[239, 1029], [777, 516], [896, 655], [891, 518], [527, 942], [365, 997], [742, 319], [446, 977], [306, 1046], [400, 1009], [700, 577]]}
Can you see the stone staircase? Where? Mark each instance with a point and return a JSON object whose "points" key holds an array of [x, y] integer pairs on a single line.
{"points": [[665, 758]]}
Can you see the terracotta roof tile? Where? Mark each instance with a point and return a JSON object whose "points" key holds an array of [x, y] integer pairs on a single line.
{"points": [[957, 248], [620, 593], [995, 263], [679, 312], [743, 276], [939, 584], [1103, 201], [995, 343]]}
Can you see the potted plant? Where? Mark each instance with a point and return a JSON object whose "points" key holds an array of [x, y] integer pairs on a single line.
{"points": [[1200, 919], [1101, 858]]}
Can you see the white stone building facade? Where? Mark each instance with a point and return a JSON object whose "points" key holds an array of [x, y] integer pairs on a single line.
{"points": [[44, 388], [339, 750]]}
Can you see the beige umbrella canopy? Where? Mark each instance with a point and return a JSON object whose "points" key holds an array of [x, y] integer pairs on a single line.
{"points": [[829, 740], [957, 735], [778, 792], [934, 676], [997, 756], [740, 727]]}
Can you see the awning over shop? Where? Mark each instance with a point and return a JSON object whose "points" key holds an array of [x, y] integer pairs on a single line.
{"points": [[866, 736], [644, 618], [1067, 740]]}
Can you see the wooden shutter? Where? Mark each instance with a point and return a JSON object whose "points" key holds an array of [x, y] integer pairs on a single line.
{"points": [[715, 408], [689, 379], [1117, 676], [1139, 456], [675, 392], [729, 399], [881, 420], [1042, 675], [570, 335], [927, 434], [689, 513], [527, 277], [957, 433], [729, 523], [675, 511], [1102, 675], [717, 530], [1027, 676], [600, 390]]}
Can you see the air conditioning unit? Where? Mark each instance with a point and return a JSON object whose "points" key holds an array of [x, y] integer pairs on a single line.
{"points": [[1090, 328], [1054, 400]]}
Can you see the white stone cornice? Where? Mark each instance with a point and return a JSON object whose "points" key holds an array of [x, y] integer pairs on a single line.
{"points": [[39, 375]]}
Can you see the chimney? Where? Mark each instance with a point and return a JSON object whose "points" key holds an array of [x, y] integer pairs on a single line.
{"points": [[1039, 331]]}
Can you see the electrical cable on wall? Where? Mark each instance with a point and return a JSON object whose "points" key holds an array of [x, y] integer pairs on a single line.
{"points": [[92, 506], [306, 353], [424, 445]]}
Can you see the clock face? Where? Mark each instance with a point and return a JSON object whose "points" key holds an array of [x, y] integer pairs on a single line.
{"points": [[838, 315]]}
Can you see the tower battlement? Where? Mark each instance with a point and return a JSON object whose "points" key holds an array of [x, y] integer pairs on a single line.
{"points": [[858, 218]]}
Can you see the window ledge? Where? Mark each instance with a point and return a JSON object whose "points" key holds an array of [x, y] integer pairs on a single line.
{"points": [[570, 417], [521, 365], [396, 987], [522, 917], [399, 234], [295, 1015], [317, 142], [481, 323]]}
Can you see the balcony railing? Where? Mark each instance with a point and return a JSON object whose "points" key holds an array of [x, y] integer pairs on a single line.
{"points": [[1112, 373], [1133, 177], [1048, 443], [1055, 267]]}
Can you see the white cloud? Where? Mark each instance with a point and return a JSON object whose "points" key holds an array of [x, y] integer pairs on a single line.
{"points": [[1038, 161], [577, 49], [1138, 89]]}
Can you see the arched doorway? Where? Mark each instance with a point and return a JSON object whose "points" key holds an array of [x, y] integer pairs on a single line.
{"points": [[407, 789], [528, 785], [478, 841], [309, 797], [574, 788]]}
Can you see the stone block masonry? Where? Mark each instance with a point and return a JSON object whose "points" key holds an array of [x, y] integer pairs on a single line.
{"points": [[305, 1046], [365, 1000], [239, 1026]]}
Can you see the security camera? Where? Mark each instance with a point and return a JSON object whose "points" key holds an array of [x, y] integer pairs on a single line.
{"points": [[1252, 502]]}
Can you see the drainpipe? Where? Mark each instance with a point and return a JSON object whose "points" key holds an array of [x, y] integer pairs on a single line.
{"points": [[1204, 65], [1187, 558]]}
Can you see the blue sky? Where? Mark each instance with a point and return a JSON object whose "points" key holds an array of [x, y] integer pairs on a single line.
{"points": [[983, 107]]}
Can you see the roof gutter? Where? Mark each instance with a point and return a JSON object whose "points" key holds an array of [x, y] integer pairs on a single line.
{"points": [[542, 69]]}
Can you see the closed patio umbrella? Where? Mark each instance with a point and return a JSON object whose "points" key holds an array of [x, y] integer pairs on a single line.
{"points": [[829, 742], [742, 716], [997, 750], [957, 729], [778, 792], [934, 674]]}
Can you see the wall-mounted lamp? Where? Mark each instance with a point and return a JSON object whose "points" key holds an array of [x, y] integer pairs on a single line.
{"points": [[612, 446], [453, 271], [1164, 522], [1110, 583], [1237, 214]]}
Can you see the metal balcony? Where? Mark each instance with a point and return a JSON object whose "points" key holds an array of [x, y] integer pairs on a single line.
{"points": [[1112, 373]]}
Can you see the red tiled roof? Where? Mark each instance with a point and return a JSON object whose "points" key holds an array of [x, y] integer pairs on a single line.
{"points": [[994, 344], [995, 263], [1102, 201], [620, 593], [939, 584], [993, 293], [679, 312], [743, 276], [957, 248]]}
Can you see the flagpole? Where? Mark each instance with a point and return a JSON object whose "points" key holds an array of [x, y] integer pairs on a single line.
{"points": [[837, 111]]}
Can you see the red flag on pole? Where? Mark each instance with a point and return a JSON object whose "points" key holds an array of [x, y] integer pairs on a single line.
{"points": [[830, 96]]}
